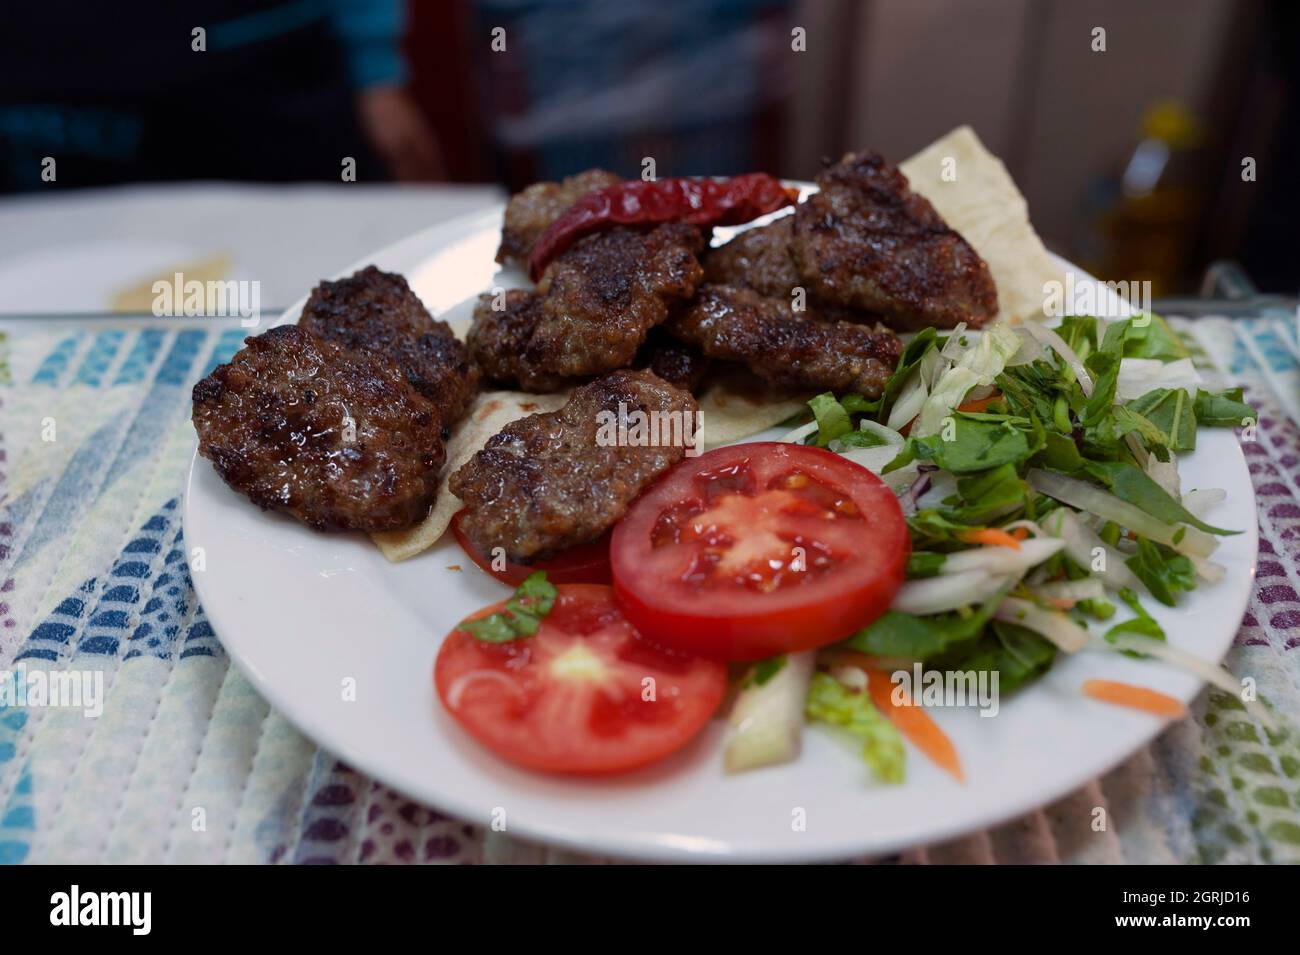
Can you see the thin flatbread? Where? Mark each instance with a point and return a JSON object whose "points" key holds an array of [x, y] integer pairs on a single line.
{"points": [[976, 195], [729, 413], [492, 411]]}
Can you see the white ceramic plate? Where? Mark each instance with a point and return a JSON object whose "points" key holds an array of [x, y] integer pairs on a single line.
{"points": [[306, 614]]}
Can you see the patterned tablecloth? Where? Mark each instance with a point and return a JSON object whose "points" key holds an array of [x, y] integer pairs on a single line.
{"points": [[187, 763]]}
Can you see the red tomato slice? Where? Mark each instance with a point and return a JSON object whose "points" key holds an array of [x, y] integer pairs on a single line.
{"points": [[583, 695], [759, 549], [584, 564]]}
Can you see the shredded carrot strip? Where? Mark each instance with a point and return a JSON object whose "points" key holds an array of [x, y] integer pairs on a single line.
{"points": [[1020, 533], [979, 404], [991, 536], [915, 724], [1136, 697], [1060, 603]]}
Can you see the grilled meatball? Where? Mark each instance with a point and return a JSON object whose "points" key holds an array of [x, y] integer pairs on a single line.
{"points": [[676, 362], [376, 312], [498, 341], [866, 241], [758, 258], [530, 212], [554, 480], [793, 349], [336, 438], [604, 294]]}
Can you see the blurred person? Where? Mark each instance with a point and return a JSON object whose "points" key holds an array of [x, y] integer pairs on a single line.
{"points": [[266, 90]]}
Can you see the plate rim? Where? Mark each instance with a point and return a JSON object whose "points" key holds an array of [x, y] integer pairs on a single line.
{"points": [[640, 845]]}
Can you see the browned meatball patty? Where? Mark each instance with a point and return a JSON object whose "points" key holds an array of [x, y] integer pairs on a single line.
{"points": [[376, 312], [757, 258], [602, 296], [498, 341], [551, 481], [338, 439], [867, 241], [797, 350], [681, 365], [530, 212]]}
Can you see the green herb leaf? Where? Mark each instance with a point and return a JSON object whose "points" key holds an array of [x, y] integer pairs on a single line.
{"points": [[1224, 409], [522, 614], [1172, 411], [764, 670], [977, 444], [1018, 655], [924, 563], [1143, 623], [1149, 336], [1165, 572], [905, 636], [1130, 483]]}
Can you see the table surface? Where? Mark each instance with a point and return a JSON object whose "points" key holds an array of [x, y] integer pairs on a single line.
{"points": [[187, 764]]}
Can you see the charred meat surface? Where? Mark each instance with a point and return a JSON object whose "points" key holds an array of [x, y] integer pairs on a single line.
{"points": [[531, 211], [499, 337], [867, 241], [338, 439], [788, 348], [552, 481], [676, 362], [376, 312], [602, 296], [759, 258]]}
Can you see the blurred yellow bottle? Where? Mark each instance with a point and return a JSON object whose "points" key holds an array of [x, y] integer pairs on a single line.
{"points": [[1145, 218]]}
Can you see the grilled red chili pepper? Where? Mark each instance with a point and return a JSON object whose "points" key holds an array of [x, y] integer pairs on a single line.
{"points": [[702, 202]]}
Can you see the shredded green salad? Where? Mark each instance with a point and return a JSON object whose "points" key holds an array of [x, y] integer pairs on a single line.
{"points": [[1037, 469]]}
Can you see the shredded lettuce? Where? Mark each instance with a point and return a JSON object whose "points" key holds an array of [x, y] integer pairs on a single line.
{"points": [[829, 701], [980, 364]]}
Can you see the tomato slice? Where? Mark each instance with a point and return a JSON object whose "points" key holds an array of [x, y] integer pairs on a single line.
{"points": [[584, 564], [759, 549], [584, 695]]}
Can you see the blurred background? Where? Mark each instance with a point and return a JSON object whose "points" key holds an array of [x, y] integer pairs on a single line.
{"points": [[1151, 138]]}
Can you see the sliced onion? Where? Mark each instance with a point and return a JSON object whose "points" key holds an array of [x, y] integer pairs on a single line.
{"points": [[1137, 376], [947, 592], [1027, 524], [1211, 673], [1052, 624], [873, 459], [462, 682], [1208, 570], [888, 435], [907, 500], [1086, 588], [1003, 560], [1086, 497], [953, 347], [1200, 500], [1164, 473], [1030, 349], [909, 402], [1081, 542], [1048, 337]]}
